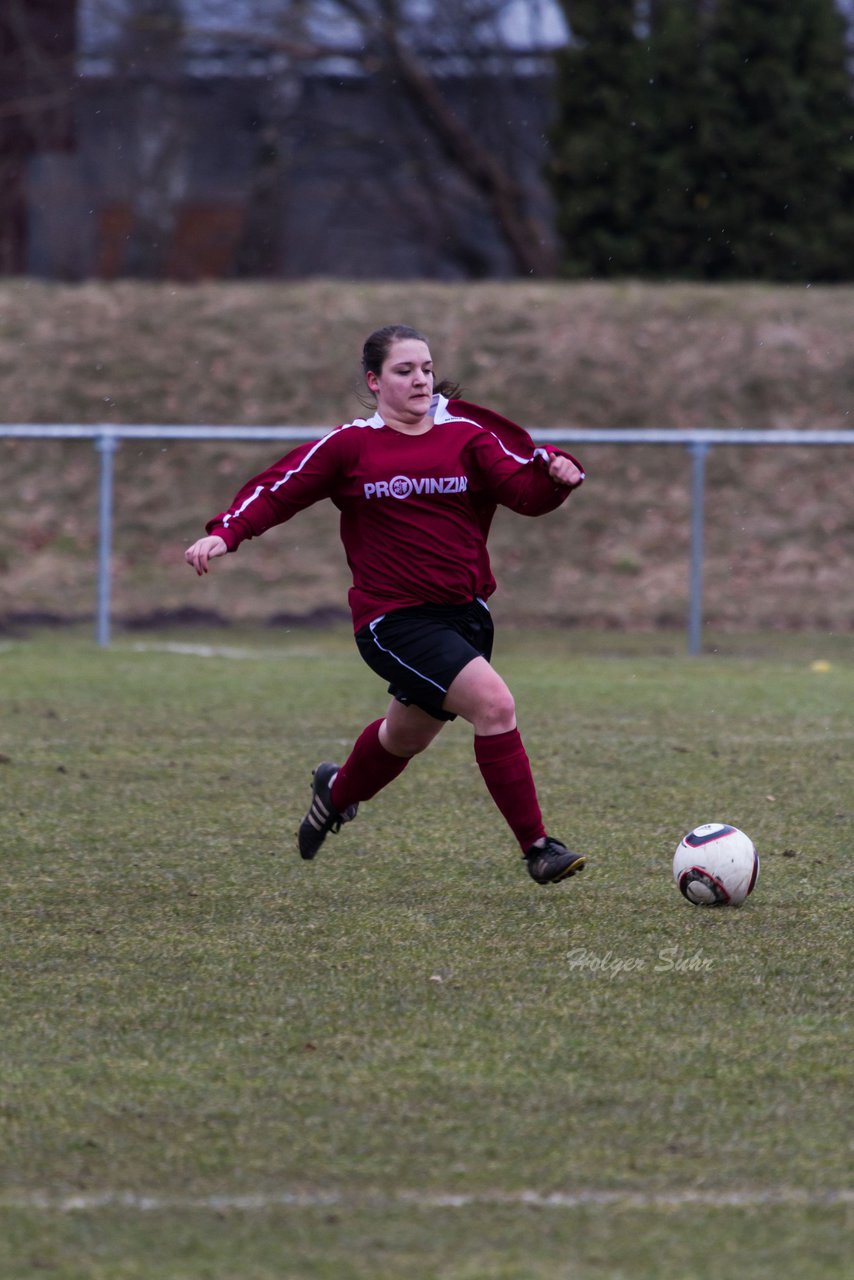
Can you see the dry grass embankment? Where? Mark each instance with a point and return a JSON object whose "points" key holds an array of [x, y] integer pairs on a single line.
{"points": [[781, 522]]}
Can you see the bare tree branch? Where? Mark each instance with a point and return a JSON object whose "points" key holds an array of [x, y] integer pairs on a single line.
{"points": [[426, 70], [37, 48], [526, 237]]}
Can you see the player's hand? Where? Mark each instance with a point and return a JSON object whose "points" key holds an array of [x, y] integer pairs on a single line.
{"points": [[564, 471], [204, 550]]}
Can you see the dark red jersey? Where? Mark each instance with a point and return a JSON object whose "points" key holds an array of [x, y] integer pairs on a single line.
{"points": [[415, 510]]}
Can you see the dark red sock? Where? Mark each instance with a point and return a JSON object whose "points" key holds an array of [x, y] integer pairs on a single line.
{"points": [[367, 769], [506, 771]]}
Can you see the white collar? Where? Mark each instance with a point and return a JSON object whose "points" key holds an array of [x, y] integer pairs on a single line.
{"points": [[438, 411]]}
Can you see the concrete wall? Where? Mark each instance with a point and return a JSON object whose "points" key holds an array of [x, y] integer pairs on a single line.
{"points": [[224, 177]]}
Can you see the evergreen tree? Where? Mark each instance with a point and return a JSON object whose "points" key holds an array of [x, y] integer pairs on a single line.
{"points": [[779, 143], [675, 167], [599, 140], [714, 140]]}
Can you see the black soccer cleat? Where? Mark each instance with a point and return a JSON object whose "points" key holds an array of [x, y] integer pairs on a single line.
{"points": [[322, 816], [551, 862]]}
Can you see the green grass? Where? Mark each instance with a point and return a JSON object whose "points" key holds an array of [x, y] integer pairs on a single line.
{"points": [[397, 1054]]}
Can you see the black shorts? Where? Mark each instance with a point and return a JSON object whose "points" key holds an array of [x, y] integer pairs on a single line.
{"points": [[421, 649]]}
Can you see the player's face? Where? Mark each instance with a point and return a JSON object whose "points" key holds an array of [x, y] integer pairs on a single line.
{"points": [[404, 387]]}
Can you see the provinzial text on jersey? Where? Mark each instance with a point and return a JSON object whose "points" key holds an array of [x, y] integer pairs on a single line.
{"points": [[404, 486]]}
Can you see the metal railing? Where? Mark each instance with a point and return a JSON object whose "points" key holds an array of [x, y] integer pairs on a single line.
{"points": [[698, 441]]}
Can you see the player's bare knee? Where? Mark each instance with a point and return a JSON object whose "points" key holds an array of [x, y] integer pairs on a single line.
{"points": [[409, 747], [406, 742], [496, 713]]}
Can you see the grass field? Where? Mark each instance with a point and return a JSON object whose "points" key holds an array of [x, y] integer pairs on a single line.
{"points": [[406, 1060]]}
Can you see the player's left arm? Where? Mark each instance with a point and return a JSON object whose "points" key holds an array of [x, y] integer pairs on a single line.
{"points": [[565, 470], [530, 485]]}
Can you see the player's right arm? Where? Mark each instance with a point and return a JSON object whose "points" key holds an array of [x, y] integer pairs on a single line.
{"points": [[302, 477], [203, 550]]}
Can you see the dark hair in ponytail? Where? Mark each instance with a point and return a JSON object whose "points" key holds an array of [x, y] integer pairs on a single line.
{"points": [[378, 345]]}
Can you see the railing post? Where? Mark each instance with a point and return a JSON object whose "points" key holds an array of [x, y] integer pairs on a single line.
{"points": [[106, 445], [699, 449]]}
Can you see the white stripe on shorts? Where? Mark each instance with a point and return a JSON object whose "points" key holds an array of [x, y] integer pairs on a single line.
{"points": [[420, 675]]}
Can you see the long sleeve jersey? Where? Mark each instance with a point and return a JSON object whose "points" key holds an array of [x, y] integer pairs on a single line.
{"points": [[415, 510]]}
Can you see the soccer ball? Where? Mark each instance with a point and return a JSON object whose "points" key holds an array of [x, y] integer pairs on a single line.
{"points": [[715, 865]]}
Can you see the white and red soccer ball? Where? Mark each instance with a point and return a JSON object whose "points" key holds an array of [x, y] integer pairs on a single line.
{"points": [[716, 865]]}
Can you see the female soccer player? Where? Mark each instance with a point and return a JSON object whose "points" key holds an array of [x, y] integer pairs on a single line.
{"points": [[417, 485]]}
